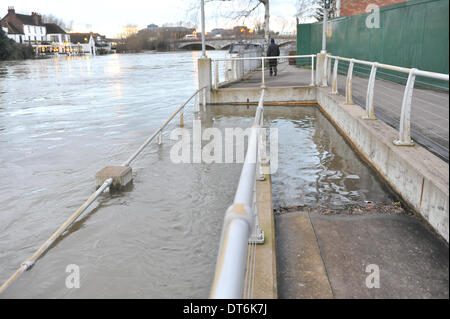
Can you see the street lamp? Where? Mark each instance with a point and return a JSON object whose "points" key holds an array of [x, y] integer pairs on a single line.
{"points": [[203, 29], [327, 4]]}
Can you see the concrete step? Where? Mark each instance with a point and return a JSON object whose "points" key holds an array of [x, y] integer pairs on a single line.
{"points": [[301, 271], [338, 255]]}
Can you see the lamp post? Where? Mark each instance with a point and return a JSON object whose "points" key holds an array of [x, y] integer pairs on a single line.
{"points": [[324, 27], [203, 29]]}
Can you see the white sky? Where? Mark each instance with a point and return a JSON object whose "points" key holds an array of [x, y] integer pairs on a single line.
{"points": [[109, 16]]}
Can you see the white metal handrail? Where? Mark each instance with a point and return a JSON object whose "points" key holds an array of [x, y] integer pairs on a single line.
{"points": [[239, 222], [263, 59], [405, 116]]}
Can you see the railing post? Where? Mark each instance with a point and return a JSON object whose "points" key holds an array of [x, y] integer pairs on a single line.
{"points": [[334, 78], [369, 96], [160, 138], [182, 118], [348, 83], [405, 117], [328, 70], [324, 71], [216, 74], [197, 102], [263, 84], [204, 99], [312, 71]]}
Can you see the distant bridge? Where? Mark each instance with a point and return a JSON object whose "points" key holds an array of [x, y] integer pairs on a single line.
{"points": [[223, 44]]}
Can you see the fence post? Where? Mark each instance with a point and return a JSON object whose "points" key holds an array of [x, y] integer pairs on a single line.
{"points": [[324, 70], [312, 70], [348, 83], [197, 102], [405, 117], [334, 78], [216, 74], [204, 99], [369, 96], [263, 84], [328, 75]]}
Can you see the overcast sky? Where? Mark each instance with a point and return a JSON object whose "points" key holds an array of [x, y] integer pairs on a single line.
{"points": [[109, 16]]}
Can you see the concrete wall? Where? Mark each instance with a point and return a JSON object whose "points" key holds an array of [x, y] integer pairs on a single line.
{"points": [[419, 177], [302, 95]]}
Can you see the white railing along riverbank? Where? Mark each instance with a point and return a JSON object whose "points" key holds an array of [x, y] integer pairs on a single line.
{"points": [[405, 116], [238, 75], [241, 230]]}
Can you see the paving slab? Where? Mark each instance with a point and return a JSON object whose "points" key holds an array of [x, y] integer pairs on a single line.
{"points": [[412, 261]]}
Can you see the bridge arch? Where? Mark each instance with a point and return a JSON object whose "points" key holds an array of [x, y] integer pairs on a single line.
{"points": [[287, 43], [196, 46]]}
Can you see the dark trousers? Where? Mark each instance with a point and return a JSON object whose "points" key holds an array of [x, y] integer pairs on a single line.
{"points": [[273, 67]]}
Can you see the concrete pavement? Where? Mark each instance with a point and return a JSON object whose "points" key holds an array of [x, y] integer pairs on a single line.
{"points": [[326, 256]]}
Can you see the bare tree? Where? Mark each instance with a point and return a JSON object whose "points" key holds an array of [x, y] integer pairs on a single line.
{"points": [[50, 18], [245, 9], [307, 9]]}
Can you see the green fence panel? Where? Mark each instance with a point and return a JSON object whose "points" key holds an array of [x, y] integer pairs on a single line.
{"points": [[413, 34]]}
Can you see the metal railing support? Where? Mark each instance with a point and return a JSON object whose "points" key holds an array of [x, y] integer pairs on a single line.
{"points": [[216, 74], [204, 92], [240, 221], [369, 96], [348, 84], [334, 78], [405, 117], [197, 102], [263, 84], [312, 71], [328, 75], [324, 71]]}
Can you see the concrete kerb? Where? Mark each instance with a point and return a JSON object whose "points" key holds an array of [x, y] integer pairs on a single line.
{"points": [[265, 269]]}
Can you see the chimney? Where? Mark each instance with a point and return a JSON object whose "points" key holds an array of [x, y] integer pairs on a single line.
{"points": [[37, 19], [11, 11]]}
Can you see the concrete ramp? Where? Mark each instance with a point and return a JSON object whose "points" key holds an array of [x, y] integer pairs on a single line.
{"points": [[332, 256]]}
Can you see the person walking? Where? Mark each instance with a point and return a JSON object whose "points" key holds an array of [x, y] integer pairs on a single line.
{"points": [[273, 50]]}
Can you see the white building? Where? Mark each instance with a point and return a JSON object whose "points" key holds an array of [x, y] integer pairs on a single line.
{"points": [[24, 28], [58, 38]]}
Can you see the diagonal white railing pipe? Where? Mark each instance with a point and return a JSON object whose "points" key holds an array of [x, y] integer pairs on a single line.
{"points": [[405, 115], [27, 264], [239, 222], [263, 69]]}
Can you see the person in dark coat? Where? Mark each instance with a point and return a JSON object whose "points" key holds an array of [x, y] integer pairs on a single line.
{"points": [[273, 50]]}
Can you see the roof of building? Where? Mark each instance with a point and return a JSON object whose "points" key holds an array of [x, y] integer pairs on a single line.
{"points": [[80, 37], [11, 28], [27, 19], [53, 28]]}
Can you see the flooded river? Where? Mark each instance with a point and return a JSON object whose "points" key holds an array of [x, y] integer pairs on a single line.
{"points": [[62, 120]]}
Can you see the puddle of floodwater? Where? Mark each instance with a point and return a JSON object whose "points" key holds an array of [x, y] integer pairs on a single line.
{"points": [[316, 166]]}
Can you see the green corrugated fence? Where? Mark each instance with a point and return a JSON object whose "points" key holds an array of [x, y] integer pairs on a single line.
{"points": [[413, 34]]}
